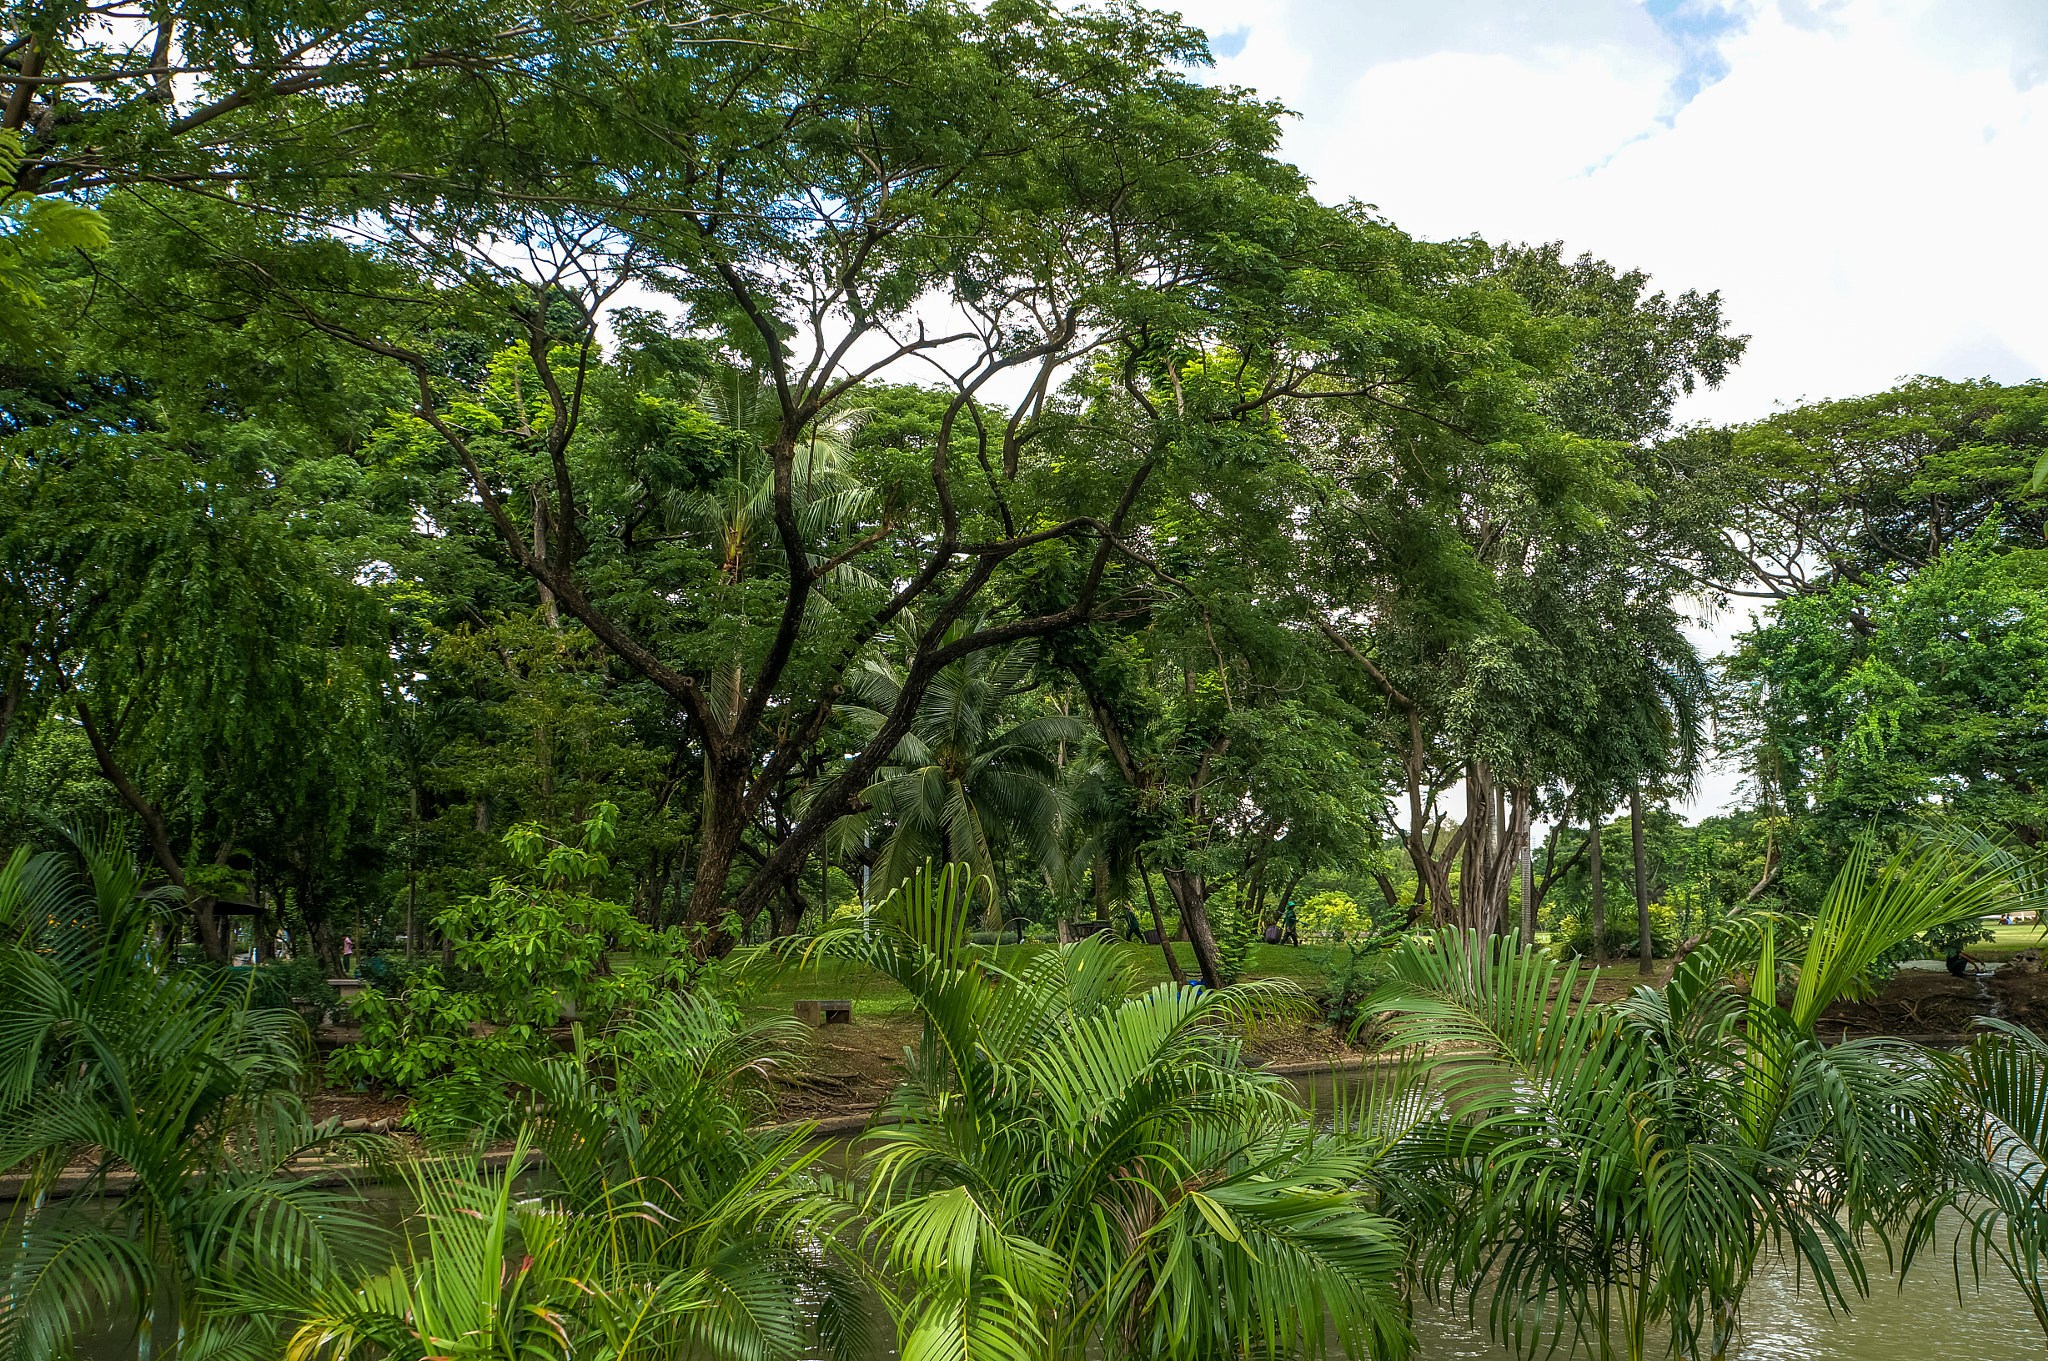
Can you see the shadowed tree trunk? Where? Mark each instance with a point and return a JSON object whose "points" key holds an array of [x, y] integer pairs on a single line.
{"points": [[1599, 909], [1165, 945], [1528, 894], [1635, 832]]}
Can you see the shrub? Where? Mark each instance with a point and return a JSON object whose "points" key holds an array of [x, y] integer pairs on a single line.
{"points": [[1333, 916], [1574, 934], [534, 949], [295, 985], [1344, 991]]}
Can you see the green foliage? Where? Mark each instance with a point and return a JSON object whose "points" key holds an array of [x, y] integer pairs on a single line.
{"points": [[1238, 928], [1334, 916], [298, 984], [665, 1228], [1345, 994], [1037, 1101], [1876, 698], [536, 949], [165, 1081], [1876, 487], [32, 230], [1721, 1127], [1572, 935], [964, 784], [1999, 1087]]}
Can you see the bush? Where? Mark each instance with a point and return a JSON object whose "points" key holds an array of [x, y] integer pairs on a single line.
{"points": [[1574, 934], [1342, 994], [395, 975], [1333, 916], [991, 938], [295, 984], [534, 951]]}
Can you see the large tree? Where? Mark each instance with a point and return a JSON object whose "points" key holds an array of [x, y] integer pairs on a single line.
{"points": [[1515, 590], [838, 193]]}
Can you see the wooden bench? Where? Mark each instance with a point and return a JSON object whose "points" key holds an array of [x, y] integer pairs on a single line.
{"points": [[825, 1011]]}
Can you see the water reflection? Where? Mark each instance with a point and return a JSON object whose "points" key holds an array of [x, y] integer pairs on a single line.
{"points": [[1920, 1319]]}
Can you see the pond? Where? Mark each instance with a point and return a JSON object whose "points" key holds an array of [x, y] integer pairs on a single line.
{"points": [[1922, 1318], [1919, 1319]]}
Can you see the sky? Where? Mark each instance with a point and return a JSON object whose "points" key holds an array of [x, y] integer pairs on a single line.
{"points": [[1862, 180]]}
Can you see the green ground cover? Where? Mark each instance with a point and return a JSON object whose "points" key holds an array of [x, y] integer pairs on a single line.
{"points": [[877, 997]]}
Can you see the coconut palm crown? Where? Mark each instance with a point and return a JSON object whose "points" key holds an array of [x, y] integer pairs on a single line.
{"points": [[964, 782]]}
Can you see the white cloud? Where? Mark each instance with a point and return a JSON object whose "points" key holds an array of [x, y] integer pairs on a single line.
{"points": [[1860, 178]]}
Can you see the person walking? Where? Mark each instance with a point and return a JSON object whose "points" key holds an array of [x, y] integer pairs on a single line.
{"points": [[1290, 932]]}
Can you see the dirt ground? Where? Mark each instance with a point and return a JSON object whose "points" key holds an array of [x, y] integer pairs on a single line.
{"points": [[1924, 1004], [850, 1069]]}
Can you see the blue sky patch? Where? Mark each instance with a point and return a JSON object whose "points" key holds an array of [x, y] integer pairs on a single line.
{"points": [[1227, 45], [1696, 28]]}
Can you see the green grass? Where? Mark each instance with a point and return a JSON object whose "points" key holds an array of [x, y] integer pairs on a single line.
{"points": [[877, 998], [2020, 936]]}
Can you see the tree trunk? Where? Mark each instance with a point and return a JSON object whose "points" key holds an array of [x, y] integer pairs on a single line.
{"points": [[540, 554], [723, 819], [1159, 925], [1528, 893], [153, 824], [1190, 895], [790, 906], [1511, 814], [1635, 832], [326, 944], [1475, 861], [1599, 909]]}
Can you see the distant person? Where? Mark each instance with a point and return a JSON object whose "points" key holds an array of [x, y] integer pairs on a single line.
{"points": [[1959, 963], [348, 957], [1289, 928]]}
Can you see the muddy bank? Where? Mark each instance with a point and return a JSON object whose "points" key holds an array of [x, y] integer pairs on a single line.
{"points": [[1933, 1006], [849, 1070]]}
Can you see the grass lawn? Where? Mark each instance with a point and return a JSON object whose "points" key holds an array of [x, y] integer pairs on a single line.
{"points": [[2019, 936], [880, 999]]}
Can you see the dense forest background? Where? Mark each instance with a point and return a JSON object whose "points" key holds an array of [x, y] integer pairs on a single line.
{"points": [[826, 442]]}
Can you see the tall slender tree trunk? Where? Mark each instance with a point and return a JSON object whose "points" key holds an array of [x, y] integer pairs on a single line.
{"points": [[722, 821], [1599, 911], [540, 554], [1475, 859], [1528, 858], [1159, 925], [1190, 895], [1635, 833]]}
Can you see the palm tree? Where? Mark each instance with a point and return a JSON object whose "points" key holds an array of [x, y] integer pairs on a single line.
{"points": [[1075, 1170], [2000, 1090], [1998, 1095], [167, 1085], [964, 782], [736, 514], [671, 1230], [1609, 1167]]}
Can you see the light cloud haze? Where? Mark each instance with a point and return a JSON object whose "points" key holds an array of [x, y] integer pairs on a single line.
{"points": [[1861, 179]]}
